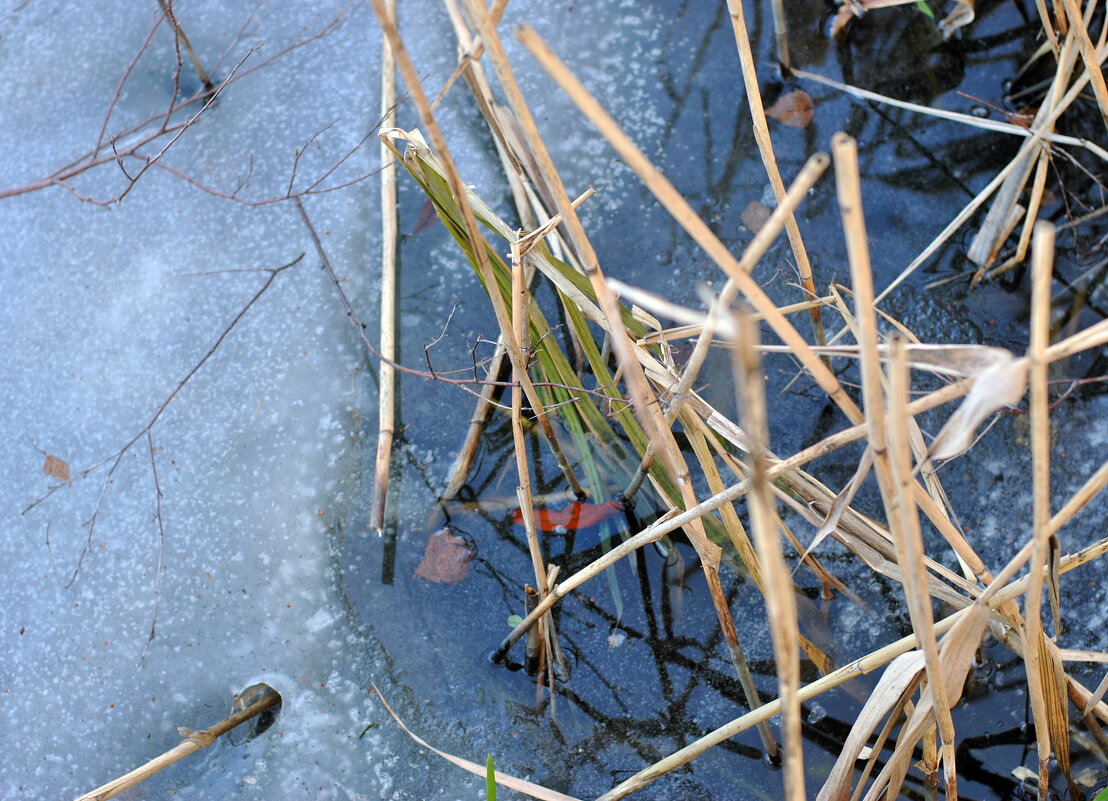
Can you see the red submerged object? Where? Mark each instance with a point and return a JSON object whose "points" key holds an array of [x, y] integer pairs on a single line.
{"points": [[574, 517]]}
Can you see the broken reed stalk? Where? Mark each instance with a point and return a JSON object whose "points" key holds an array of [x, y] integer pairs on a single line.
{"points": [[684, 214], [910, 552], [897, 491], [781, 36], [1042, 269], [780, 601], [386, 404], [765, 144], [193, 742], [480, 257]]}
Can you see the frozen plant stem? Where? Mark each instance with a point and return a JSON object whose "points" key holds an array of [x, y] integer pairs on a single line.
{"points": [[193, 742], [386, 409]]}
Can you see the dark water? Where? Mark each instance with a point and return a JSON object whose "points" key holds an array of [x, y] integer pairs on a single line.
{"points": [[649, 671]]}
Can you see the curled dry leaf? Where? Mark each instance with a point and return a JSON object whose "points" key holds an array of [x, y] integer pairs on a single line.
{"points": [[445, 559], [754, 216], [995, 387], [793, 109], [56, 468]]}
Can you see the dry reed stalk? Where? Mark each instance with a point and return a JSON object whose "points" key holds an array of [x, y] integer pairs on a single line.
{"points": [[484, 269], [1042, 269], [1048, 26], [386, 405], [780, 602], [193, 742], [911, 553], [520, 317], [780, 36], [1088, 55], [765, 144], [897, 486], [681, 211]]}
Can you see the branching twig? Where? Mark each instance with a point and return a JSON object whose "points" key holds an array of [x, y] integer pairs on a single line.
{"points": [[117, 457]]}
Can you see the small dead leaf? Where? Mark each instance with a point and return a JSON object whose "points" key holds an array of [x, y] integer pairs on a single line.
{"points": [[428, 216], [56, 468], [445, 559], [754, 216], [793, 109]]}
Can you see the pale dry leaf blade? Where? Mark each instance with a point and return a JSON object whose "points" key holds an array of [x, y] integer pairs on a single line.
{"points": [[995, 388], [899, 674], [841, 502], [1097, 695], [956, 652]]}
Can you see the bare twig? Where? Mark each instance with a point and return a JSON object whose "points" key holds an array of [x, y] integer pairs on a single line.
{"points": [[117, 457]]}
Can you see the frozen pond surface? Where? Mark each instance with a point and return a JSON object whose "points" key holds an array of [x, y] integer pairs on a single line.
{"points": [[268, 573]]}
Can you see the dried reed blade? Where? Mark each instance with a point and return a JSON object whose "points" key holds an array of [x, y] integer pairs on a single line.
{"points": [[898, 679], [989, 237], [503, 779], [780, 602], [520, 331], [386, 404]]}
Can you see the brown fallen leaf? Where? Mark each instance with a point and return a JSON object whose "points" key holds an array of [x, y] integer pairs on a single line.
{"points": [[56, 468], [793, 108], [754, 216], [445, 559]]}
